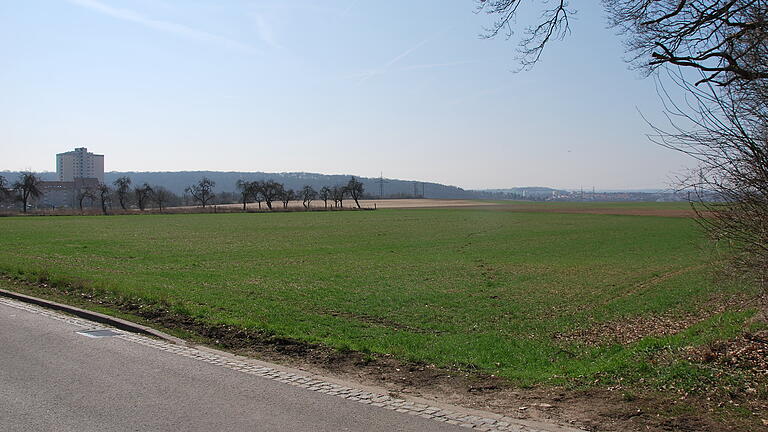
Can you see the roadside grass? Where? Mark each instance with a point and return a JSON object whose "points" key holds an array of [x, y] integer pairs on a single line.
{"points": [[463, 288]]}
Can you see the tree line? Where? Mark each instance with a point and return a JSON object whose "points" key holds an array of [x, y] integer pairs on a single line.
{"points": [[123, 192], [269, 191]]}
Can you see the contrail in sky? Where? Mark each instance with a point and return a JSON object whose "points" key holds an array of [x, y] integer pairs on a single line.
{"points": [[407, 52], [164, 26]]}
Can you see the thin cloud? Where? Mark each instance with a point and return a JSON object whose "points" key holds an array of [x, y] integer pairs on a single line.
{"points": [[349, 8], [265, 32], [479, 94], [164, 26], [406, 53], [372, 73], [294, 6], [436, 65], [388, 66], [365, 76]]}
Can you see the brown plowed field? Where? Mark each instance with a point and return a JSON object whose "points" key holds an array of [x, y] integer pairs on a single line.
{"points": [[423, 203]]}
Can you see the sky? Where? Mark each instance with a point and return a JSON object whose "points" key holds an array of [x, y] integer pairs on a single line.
{"points": [[404, 88]]}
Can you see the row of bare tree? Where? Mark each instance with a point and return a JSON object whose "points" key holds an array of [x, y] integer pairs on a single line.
{"points": [[269, 191], [142, 195], [28, 188]]}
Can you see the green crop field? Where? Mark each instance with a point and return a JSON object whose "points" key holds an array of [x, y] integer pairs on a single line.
{"points": [[469, 288]]}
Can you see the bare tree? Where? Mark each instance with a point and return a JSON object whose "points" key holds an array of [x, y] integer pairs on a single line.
{"points": [[721, 38], [202, 191], [161, 196], [725, 40], [325, 195], [143, 194], [722, 120], [337, 195], [84, 193], [122, 190], [28, 186], [308, 193], [270, 190], [104, 197], [355, 190], [286, 196], [726, 131], [257, 195], [247, 191], [553, 25]]}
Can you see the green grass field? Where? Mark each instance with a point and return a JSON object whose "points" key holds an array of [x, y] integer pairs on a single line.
{"points": [[471, 288]]}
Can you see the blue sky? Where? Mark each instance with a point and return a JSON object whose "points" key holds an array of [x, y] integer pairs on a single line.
{"points": [[347, 86]]}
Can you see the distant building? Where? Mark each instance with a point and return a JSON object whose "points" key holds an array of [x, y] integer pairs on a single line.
{"points": [[65, 194], [57, 194], [77, 170], [79, 164]]}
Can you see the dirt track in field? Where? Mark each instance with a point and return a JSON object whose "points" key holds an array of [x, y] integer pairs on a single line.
{"points": [[367, 204], [424, 203], [575, 208], [642, 209]]}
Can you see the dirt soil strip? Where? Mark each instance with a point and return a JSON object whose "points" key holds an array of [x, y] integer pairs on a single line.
{"points": [[471, 419], [524, 207], [425, 203], [679, 213], [374, 203], [512, 206]]}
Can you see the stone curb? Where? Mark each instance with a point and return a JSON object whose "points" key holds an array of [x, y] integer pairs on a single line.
{"points": [[93, 316]]}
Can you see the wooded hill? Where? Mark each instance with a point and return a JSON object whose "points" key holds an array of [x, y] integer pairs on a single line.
{"points": [[176, 182]]}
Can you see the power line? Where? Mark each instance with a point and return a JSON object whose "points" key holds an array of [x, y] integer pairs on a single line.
{"points": [[381, 182]]}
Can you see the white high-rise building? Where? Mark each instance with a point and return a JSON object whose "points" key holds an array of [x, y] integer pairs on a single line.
{"points": [[79, 164]]}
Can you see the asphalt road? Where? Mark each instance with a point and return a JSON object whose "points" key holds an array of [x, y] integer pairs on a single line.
{"points": [[54, 379]]}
